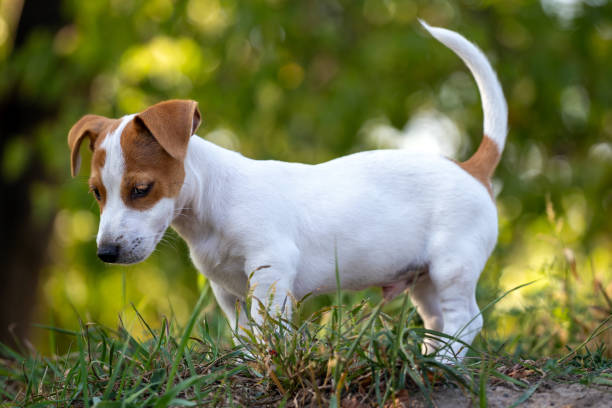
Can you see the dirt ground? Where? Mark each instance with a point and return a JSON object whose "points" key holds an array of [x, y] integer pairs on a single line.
{"points": [[501, 396]]}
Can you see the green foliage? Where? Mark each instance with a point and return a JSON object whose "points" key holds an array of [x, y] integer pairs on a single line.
{"points": [[309, 81]]}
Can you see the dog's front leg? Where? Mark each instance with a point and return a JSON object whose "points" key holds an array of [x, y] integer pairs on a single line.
{"points": [[271, 279], [232, 307]]}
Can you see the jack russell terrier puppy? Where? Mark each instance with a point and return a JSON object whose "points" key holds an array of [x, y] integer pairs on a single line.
{"points": [[391, 218]]}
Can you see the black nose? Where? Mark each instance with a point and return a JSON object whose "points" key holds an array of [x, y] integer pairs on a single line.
{"points": [[108, 253]]}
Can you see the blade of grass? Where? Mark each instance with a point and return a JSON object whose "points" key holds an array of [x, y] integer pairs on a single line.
{"points": [[193, 372], [115, 371], [52, 339], [186, 333], [143, 321], [83, 370], [397, 341], [484, 377], [492, 303], [526, 395], [337, 316], [56, 329], [509, 379], [9, 352], [602, 380], [598, 330], [158, 344], [7, 394], [353, 347]]}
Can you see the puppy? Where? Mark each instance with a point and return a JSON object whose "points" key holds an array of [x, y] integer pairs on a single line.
{"points": [[390, 218]]}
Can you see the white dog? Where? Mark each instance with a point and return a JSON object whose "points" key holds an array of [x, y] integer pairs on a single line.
{"points": [[391, 218]]}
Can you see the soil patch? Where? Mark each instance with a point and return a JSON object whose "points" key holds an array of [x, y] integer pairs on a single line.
{"points": [[550, 394]]}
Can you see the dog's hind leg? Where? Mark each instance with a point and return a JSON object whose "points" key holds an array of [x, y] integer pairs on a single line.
{"points": [[454, 280], [424, 296]]}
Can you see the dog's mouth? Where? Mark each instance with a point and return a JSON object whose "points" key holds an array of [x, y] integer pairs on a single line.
{"points": [[130, 252]]}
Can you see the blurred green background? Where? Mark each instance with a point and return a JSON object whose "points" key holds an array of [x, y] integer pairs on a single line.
{"points": [[309, 81]]}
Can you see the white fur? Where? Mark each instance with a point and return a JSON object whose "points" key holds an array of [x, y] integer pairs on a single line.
{"points": [[381, 214]]}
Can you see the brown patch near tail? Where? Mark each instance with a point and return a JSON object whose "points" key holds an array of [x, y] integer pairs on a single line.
{"points": [[147, 162], [483, 163]]}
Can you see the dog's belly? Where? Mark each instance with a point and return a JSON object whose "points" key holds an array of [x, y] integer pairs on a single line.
{"points": [[392, 281], [381, 248], [361, 264], [392, 284]]}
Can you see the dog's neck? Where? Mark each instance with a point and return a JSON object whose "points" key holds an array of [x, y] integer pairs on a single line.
{"points": [[209, 174]]}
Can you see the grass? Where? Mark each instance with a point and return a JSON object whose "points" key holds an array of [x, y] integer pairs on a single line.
{"points": [[340, 355]]}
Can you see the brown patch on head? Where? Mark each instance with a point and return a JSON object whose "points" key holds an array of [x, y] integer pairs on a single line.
{"points": [[483, 163], [154, 146], [147, 165]]}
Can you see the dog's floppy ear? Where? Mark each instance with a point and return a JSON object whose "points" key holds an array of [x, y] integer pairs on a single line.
{"points": [[172, 123], [88, 126]]}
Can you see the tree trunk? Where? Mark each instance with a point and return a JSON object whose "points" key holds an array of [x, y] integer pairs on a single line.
{"points": [[24, 239]]}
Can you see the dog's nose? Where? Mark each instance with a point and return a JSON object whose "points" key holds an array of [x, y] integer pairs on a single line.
{"points": [[108, 253]]}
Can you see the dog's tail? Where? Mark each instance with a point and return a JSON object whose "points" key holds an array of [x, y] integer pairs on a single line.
{"points": [[482, 164]]}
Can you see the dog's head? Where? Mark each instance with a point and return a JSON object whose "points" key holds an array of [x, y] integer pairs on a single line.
{"points": [[137, 171]]}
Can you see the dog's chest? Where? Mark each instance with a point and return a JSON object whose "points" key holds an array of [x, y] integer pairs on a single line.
{"points": [[216, 259]]}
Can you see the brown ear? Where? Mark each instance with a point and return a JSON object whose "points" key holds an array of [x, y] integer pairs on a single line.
{"points": [[88, 126], [172, 123]]}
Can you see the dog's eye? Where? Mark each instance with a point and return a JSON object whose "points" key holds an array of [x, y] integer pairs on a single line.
{"points": [[141, 190], [96, 192]]}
